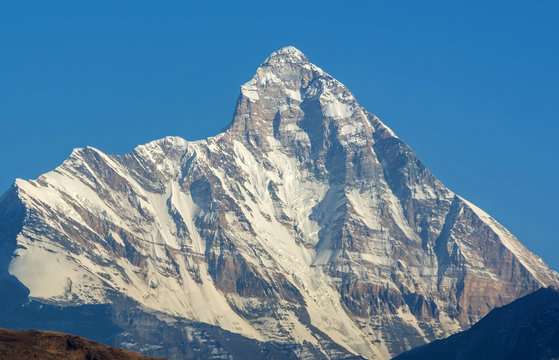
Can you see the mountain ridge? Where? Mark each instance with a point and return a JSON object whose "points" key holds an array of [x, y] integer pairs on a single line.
{"points": [[523, 329], [307, 222]]}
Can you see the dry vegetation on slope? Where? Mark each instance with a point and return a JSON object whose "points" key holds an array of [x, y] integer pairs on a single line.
{"points": [[49, 345]]}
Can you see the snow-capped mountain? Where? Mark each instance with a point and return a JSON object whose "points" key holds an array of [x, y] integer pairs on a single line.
{"points": [[307, 226]]}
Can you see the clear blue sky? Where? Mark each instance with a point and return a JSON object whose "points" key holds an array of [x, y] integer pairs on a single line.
{"points": [[472, 86]]}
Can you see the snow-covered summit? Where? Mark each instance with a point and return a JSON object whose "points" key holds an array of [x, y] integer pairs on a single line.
{"points": [[293, 101], [287, 54]]}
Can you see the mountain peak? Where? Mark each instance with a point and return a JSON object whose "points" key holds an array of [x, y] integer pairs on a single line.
{"points": [[287, 54], [285, 93]]}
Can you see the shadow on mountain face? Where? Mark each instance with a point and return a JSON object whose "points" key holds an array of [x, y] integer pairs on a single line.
{"points": [[527, 328]]}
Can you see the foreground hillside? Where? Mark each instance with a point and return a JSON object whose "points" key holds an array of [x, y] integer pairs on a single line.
{"points": [[525, 329], [49, 345]]}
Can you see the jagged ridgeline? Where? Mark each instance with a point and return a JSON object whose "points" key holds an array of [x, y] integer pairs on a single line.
{"points": [[307, 229]]}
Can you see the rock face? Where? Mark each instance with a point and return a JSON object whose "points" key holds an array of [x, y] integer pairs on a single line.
{"points": [[307, 224], [528, 328]]}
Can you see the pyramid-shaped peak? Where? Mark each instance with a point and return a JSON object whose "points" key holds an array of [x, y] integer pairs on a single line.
{"points": [[286, 54]]}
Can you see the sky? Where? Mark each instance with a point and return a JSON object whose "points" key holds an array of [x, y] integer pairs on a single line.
{"points": [[471, 86]]}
